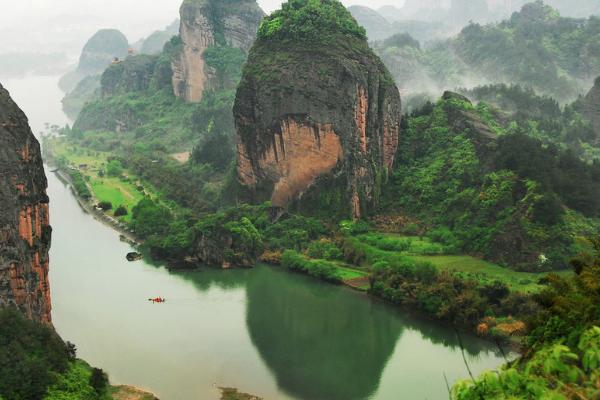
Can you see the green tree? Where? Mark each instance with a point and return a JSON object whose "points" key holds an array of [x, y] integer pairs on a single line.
{"points": [[114, 168], [310, 20], [151, 218], [31, 355]]}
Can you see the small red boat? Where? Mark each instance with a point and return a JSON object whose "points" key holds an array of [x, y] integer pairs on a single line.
{"points": [[158, 300]]}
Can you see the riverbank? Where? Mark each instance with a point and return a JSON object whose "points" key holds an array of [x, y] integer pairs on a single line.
{"points": [[89, 206], [127, 392]]}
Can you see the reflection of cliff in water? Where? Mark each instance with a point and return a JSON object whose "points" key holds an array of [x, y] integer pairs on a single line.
{"points": [[326, 342], [320, 342]]}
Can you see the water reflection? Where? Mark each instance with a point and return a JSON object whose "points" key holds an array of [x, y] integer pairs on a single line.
{"points": [[323, 342], [319, 343]]}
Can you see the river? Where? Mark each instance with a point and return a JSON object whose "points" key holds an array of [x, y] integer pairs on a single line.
{"points": [[265, 331]]}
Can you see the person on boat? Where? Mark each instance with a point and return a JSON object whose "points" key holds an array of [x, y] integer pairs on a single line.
{"points": [[157, 300]]}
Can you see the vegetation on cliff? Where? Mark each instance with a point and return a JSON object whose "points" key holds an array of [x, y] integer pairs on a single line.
{"points": [[312, 81], [36, 364], [502, 194], [310, 20]]}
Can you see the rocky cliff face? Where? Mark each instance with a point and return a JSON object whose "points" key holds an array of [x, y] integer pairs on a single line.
{"points": [[206, 23], [592, 107], [317, 124], [24, 221]]}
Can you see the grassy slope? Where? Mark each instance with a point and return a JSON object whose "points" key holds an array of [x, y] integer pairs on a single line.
{"points": [[474, 267], [112, 189], [485, 271]]}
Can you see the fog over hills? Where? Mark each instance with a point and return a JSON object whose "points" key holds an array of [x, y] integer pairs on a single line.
{"points": [[65, 25]]}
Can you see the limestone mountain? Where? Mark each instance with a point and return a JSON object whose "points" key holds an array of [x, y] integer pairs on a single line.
{"points": [[317, 113], [24, 217], [99, 51], [205, 24]]}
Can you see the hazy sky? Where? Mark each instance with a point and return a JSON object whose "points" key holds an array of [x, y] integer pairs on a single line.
{"points": [[66, 24]]}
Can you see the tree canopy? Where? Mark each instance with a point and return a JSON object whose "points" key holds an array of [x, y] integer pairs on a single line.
{"points": [[310, 20]]}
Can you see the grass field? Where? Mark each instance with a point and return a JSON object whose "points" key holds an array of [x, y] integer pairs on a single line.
{"points": [[486, 271], [424, 250], [349, 273], [112, 189]]}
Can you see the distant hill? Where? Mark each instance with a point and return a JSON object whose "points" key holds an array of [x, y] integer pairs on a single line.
{"points": [[535, 47], [97, 54], [377, 26]]}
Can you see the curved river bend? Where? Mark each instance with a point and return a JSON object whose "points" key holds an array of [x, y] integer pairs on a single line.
{"points": [[266, 331]]}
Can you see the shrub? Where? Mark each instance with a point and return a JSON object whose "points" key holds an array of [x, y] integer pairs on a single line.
{"points": [[99, 380], [121, 211], [79, 185], [31, 355], [387, 243], [114, 168], [321, 269], [354, 227], [105, 205], [150, 218], [293, 233], [324, 249]]}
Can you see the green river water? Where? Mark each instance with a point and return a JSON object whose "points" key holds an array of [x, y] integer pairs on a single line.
{"points": [[265, 331]]}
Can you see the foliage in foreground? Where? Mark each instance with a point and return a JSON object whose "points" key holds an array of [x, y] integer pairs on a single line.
{"points": [[563, 360], [555, 372], [36, 364]]}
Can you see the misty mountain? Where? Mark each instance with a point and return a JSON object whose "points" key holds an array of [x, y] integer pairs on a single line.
{"points": [[535, 47]]}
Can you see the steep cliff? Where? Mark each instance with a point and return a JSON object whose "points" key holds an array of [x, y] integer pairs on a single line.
{"points": [[317, 113], [24, 221], [208, 23]]}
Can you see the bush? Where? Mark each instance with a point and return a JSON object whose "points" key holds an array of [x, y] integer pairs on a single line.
{"points": [[293, 233], [321, 269], [150, 218], [121, 211], [79, 185], [444, 236], [114, 168], [105, 205], [354, 227], [324, 249], [99, 381], [31, 356], [387, 243]]}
